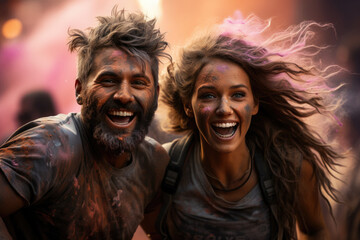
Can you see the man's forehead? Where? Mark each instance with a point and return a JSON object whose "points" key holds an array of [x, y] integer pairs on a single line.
{"points": [[106, 56], [120, 62], [114, 56]]}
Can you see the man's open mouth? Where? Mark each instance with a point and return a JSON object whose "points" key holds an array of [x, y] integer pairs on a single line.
{"points": [[225, 130], [121, 117]]}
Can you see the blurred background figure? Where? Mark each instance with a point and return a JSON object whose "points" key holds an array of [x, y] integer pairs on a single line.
{"points": [[34, 105]]}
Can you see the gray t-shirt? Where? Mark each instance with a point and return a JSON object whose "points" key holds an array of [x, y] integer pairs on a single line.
{"points": [[71, 192], [198, 213]]}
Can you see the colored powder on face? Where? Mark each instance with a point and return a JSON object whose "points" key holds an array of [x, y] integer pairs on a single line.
{"points": [[247, 109], [205, 110], [222, 68]]}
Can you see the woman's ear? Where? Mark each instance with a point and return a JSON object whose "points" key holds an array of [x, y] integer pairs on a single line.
{"points": [[188, 110], [78, 88], [256, 107]]}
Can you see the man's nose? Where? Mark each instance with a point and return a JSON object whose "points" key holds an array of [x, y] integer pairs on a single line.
{"points": [[124, 93]]}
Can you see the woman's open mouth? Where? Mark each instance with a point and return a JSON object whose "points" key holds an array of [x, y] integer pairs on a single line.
{"points": [[225, 130]]}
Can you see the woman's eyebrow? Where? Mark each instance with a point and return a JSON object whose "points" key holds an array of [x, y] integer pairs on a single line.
{"points": [[239, 86], [206, 87]]}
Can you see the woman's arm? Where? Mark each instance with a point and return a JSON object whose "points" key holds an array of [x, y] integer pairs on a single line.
{"points": [[309, 215]]}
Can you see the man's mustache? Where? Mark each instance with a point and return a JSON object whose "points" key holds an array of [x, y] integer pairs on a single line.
{"points": [[111, 105]]}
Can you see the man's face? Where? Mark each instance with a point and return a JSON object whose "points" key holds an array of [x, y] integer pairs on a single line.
{"points": [[119, 100]]}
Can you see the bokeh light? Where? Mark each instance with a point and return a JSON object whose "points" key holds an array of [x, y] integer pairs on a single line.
{"points": [[12, 28], [151, 8]]}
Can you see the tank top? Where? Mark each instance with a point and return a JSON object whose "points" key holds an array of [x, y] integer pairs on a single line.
{"points": [[198, 213]]}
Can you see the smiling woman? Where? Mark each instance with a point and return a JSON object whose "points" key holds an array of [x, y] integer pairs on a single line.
{"points": [[222, 105], [254, 168]]}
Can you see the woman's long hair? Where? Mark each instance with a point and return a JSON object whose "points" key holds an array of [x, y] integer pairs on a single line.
{"points": [[289, 87]]}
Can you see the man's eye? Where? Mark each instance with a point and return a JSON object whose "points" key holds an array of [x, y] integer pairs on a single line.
{"points": [[107, 80], [139, 82]]}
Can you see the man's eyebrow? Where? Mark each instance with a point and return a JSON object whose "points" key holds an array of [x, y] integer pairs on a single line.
{"points": [[141, 75], [108, 73]]}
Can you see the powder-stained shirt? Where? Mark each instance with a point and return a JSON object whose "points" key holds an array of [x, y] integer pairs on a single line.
{"points": [[198, 213], [70, 191]]}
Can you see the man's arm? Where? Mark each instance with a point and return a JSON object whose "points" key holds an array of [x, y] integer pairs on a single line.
{"points": [[10, 201], [4, 234], [151, 214], [310, 218]]}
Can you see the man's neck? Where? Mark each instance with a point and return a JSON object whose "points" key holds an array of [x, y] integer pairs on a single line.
{"points": [[116, 160]]}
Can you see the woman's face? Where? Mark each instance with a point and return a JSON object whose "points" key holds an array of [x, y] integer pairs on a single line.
{"points": [[222, 105]]}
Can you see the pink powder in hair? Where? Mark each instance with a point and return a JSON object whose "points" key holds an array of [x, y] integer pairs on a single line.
{"points": [[338, 120]]}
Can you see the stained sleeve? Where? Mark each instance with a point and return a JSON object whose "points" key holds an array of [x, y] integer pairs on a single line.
{"points": [[31, 159]]}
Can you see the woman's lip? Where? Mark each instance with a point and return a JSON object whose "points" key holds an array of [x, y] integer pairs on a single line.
{"points": [[224, 124], [228, 136]]}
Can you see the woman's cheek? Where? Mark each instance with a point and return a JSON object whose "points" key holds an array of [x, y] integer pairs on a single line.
{"points": [[202, 114], [204, 111], [247, 112]]}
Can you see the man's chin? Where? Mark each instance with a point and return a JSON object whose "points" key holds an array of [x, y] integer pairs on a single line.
{"points": [[119, 142]]}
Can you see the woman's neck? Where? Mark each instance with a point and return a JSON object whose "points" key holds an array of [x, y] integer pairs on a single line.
{"points": [[227, 167]]}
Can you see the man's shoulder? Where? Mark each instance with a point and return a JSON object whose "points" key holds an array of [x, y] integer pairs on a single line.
{"points": [[151, 144], [154, 149], [66, 122], [63, 127]]}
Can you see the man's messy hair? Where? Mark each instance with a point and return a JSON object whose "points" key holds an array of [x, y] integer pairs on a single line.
{"points": [[130, 32]]}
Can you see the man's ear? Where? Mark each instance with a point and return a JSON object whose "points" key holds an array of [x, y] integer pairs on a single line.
{"points": [[78, 92]]}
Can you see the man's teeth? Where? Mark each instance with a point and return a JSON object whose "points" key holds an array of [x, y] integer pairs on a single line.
{"points": [[224, 125], [122, 113]]}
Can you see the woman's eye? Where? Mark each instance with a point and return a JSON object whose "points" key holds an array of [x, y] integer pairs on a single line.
{"points": [[239, 95], [207, 96]]}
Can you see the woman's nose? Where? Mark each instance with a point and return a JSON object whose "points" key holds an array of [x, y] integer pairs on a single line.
{"points": [[224, 107]]}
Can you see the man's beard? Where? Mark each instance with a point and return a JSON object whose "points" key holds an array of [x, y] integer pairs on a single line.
{"points": [[107, 137]]}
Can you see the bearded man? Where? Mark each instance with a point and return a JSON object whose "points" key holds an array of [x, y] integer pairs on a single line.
{"points": [[90, 175]]}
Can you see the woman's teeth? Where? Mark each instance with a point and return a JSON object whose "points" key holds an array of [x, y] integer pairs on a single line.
{"points": [[225, 130]]}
